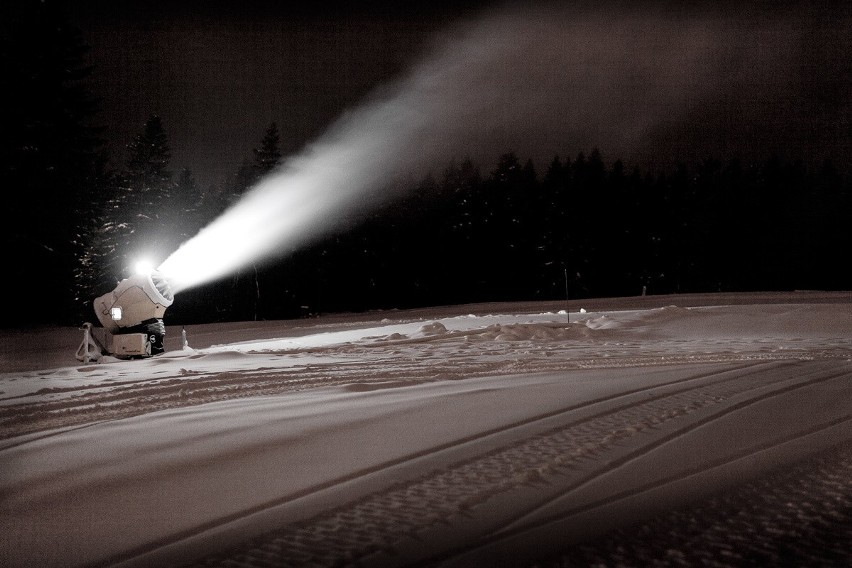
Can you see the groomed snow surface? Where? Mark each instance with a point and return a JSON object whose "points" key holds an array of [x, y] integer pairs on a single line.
{"points": [[684, 430]]}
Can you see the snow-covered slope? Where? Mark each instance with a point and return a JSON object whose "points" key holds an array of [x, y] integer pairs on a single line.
{"points": [[432, 436]]}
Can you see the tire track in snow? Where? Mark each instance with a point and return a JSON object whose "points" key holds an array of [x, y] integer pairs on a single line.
{"points": [[501, 436], [797, 516], [525, 522], [509, 527], [376, 524]]}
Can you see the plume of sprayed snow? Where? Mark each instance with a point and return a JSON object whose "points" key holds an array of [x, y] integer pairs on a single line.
{"points": [[544, 78]]}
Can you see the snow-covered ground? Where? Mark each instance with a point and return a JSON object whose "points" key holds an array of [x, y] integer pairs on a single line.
{"points": [[670, 430]]}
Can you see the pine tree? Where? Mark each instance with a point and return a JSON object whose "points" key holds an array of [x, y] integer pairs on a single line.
{"points": [[268, 156], [552, 212], [186, 206], [240, 182], [145, 203], [147, 176], [141, 218], [51, 160], [245, 285]]}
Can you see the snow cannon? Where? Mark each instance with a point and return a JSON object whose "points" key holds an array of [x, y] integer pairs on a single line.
{"points": [[132, 315]]}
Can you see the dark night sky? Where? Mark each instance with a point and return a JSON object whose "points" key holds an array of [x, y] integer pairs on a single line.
{"points": [[219, 73], [647, 82]]}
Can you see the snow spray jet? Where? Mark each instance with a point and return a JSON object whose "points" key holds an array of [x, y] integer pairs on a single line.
{"points": [[542, 79]]}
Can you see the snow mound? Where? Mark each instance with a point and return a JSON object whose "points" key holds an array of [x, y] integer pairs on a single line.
{"points": [[530, 332], [432, 329], [602, 322], [389, 338]]}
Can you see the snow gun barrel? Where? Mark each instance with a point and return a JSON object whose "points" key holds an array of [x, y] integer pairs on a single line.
{"points": [[132, 315]]}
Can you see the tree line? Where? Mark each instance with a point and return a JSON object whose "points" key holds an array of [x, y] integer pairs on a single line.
{"points": [[581, 229], [579, 226]]}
